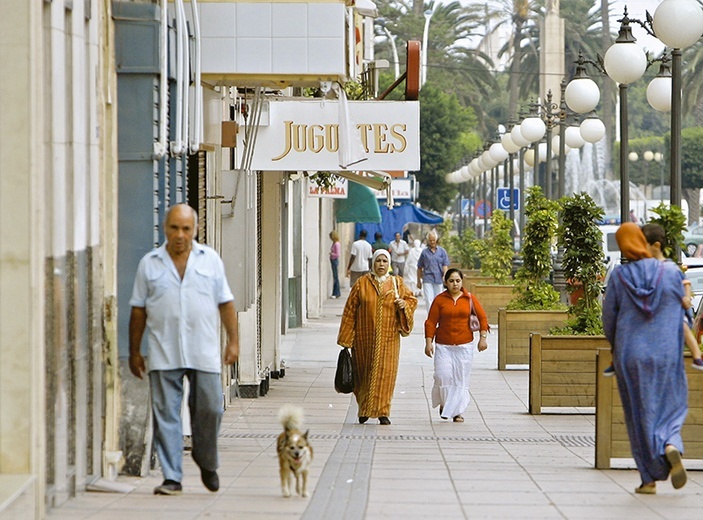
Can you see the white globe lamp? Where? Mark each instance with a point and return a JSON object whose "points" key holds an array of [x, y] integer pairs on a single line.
{"points": [[498, 153], [533, 129], [678, 23], [508, 143], [517, 138], [625, 62], [592, 130], [530, 157], [659, 93], [572, 137], [582, 95]]}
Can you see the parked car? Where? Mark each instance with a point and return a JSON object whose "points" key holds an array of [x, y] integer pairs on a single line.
{"points": [[694, 272], [692, 238]]}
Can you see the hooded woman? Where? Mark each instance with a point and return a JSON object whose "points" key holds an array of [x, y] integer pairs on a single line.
{"points": [[642, 317], [380, 309]]}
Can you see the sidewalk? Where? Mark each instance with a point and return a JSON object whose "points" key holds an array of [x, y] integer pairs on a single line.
{"points": [[501, 463]]}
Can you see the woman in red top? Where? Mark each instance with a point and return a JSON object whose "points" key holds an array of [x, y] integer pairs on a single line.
{"points": [[448, 325]]}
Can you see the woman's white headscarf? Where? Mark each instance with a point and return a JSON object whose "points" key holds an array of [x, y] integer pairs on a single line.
{"points": [[376, 254]]}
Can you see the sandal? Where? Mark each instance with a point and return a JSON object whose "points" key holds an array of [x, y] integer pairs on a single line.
{"points": [[647, 489], [678, 472], [458, 418]]}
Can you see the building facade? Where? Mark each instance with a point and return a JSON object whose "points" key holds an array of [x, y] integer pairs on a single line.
{"points": [[111, 112]]}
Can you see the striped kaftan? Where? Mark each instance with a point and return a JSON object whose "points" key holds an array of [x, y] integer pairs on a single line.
{"points": [[371, 326]]}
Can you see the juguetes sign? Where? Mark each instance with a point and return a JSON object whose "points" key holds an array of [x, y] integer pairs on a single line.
{"points": [[305, 135]]}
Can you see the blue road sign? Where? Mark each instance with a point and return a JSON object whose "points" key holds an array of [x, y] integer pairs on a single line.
{"points": [[503, 201], [466, 207]]}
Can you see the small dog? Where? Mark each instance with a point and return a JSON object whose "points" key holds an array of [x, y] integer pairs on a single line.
{"points": [[294, 451]]}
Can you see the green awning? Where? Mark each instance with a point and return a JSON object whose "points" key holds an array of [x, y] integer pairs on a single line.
{"points": [[360, 205]]}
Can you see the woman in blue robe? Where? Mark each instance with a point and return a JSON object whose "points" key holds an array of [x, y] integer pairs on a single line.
{"points": [[643, 321]]}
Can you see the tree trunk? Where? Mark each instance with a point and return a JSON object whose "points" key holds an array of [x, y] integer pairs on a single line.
{"points": [[692, 197], [515, 69]]}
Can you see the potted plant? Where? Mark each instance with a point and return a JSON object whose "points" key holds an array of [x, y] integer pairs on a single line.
{"points": [[568, 378], [673, 221], [496, 253], [462, 249], [535, 306], [583, 263]]}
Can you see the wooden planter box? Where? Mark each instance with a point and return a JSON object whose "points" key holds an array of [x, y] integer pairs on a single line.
{"points": [[563, 371], [472, 279], [492, 298], [612, 440], [514, 328]]}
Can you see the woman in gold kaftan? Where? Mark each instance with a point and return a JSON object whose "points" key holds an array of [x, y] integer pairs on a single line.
{"points": [[379, 310]]}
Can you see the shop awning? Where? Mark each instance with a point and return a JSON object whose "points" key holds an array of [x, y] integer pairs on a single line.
{"points": [[394, 220], [360, 205]]}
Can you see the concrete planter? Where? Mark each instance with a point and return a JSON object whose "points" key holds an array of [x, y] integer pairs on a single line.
{"points": [[514, 328], [563, 371]]}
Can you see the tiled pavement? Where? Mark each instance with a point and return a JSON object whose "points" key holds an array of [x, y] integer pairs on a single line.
{"points": [[502, 463]]}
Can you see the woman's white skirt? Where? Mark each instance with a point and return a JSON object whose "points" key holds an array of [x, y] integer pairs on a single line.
{"points": [[452, 370]]}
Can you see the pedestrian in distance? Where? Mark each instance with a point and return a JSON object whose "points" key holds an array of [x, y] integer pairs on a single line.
{"points": [[379, 243], [447, 325], [410, 268], [359, 258], [642, 317], [335, 252], [433, 263], [180, 294], [379, 310], [399, 251], [656, 241]]}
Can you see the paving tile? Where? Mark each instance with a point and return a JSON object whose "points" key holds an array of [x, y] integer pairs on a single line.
{"points": [[502, 463]]}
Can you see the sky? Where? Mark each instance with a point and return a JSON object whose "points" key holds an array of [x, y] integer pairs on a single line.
{"points": [[635, 9]]}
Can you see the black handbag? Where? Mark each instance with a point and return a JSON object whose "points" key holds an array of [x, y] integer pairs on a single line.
{"points": [[344, 378]]}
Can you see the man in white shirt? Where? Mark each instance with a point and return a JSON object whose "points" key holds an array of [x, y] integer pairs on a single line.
{"points": [[359, 258], [399, 250], [180, 295]]}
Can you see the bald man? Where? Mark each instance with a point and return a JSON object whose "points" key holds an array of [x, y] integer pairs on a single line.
{"points": [[180, 295]]}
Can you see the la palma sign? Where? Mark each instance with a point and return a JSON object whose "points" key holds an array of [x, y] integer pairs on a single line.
{"points": [[306, 135]]}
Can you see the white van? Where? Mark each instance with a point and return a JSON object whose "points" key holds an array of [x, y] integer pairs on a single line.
{"points": [[610, 248]]}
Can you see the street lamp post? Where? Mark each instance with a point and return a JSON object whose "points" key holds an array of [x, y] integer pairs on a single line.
{"points": [[678, 24], [625, 62], [396, 63], [425, 35]]}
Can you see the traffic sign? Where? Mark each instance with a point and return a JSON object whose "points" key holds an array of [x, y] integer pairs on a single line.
{"points": [[503, 201], [466, 205], [482, 209]]}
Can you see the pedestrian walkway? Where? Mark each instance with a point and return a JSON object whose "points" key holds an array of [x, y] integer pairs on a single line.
{"points": [[501, 463]]}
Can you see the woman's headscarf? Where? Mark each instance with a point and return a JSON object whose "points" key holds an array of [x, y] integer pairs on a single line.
{"points": [[632, 242], [416, 243], [376, 254]]}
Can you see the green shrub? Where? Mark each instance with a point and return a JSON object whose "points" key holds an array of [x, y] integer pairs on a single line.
{"points": [[583, 263], [532, 288], [462, 248], [672, 219], [496, 249]]}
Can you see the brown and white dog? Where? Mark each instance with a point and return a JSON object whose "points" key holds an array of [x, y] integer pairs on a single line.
{"points": [[294, 451]]}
